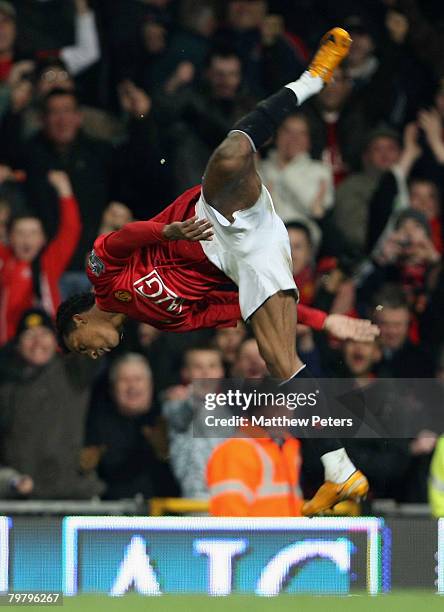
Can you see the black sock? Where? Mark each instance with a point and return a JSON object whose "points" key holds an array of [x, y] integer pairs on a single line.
{"points": [[305, 382]]}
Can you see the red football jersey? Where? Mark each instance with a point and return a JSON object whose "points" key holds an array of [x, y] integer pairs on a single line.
{"points": [[171, 285]]}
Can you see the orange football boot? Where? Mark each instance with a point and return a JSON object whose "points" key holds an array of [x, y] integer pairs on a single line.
{"points": [[333, 48], [330, 493]]}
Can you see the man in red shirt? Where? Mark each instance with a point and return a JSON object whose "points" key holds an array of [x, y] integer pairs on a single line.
{"points": [[30, 271], [170, 271]]}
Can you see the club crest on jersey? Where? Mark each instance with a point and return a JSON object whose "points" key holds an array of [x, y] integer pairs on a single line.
{"points": [[95, 264], [123, 296]]}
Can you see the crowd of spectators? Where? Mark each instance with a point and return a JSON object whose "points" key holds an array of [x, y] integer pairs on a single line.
{"points": [[109, 109]]}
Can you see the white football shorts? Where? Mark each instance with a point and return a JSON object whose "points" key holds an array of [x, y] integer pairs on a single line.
{"points": [[254, 251]]}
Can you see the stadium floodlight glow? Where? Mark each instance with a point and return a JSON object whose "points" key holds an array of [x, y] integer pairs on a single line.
{"points": [[236, 528]]}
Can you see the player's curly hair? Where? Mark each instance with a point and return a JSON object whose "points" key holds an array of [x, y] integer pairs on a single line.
{"points": [[76, 304]]}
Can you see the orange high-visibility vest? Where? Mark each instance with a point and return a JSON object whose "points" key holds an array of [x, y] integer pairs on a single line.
{"points": [[255, 477]]}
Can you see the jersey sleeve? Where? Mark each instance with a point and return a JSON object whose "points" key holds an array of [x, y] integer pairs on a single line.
{"points": [[102, 267], [121, 245], [311, 316]]}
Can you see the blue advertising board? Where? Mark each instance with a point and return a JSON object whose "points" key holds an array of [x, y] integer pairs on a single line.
{"points": [[266, 556]]}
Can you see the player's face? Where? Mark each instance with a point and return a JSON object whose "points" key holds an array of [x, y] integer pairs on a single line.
{"points": [[27, 238], [92, 338]]}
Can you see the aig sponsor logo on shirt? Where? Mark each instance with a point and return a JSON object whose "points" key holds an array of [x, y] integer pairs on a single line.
{"points": [[153, 287]]}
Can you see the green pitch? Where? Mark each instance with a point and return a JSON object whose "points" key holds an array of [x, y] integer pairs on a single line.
{"points": [[399, 602]]}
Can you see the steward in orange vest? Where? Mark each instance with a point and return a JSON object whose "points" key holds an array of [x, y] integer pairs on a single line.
{"points": [[255, 476]]}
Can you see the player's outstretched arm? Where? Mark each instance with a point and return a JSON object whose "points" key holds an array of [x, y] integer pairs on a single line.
{"points": [[133, 236], [340, 326]]}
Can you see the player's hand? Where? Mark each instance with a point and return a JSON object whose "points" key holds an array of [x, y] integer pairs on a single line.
{"points": [[348, 328], [193, 229]]}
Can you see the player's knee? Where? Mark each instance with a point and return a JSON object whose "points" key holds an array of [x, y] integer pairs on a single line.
{"points": [[233, 154]]}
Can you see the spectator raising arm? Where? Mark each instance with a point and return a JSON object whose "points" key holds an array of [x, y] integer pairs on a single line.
{"points": [[431, 124], [86, 50], [59, 251]]}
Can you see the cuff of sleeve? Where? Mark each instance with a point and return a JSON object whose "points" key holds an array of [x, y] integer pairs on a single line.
{"points": [[312, 317], [158, 231], [319, 318]]}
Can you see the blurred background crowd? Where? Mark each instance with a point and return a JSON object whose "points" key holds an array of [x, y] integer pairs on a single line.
{"points": [[109, 109]]}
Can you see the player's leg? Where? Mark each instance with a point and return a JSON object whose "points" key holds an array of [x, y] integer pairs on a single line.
{"points": [[274, 327], [232, 184], [230, 181]]}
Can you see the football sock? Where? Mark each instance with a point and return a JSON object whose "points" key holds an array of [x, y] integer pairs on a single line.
{"points": [[306, 86], [261, 124], [337, 465]]}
